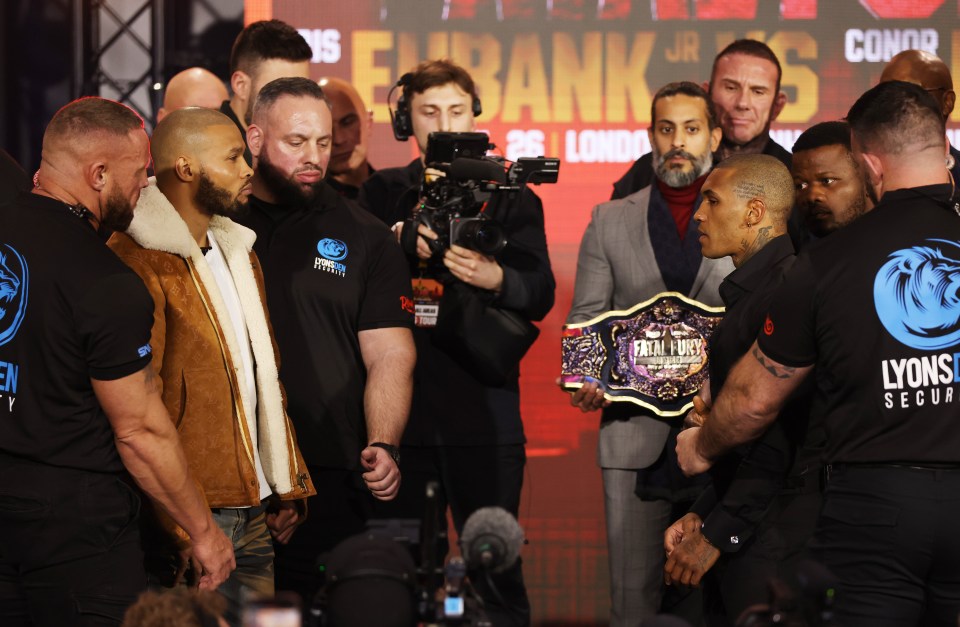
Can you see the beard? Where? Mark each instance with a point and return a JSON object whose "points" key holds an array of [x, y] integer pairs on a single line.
{"points": [[848, 215], [857, 209], [117, 212], [217, 201], [286, 191], [680, 178], [248, 114]]}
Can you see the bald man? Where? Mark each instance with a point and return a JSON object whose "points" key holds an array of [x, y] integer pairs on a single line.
{"points": [[352, 123], [746, 524], [193, 87], [930, 72], [81, 418], [214, 350]]}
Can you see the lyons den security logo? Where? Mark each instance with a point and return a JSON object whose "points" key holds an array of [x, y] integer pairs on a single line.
{"points": [[14, 288], [332, 253], [917, 297]]}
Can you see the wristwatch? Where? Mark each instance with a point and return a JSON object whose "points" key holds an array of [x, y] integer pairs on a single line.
{"points": [[392, 450]]}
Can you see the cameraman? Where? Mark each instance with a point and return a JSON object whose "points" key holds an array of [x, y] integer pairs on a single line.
{"points": [[463, 433]]}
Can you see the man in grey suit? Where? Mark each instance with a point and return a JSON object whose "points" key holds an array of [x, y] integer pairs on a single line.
{"points": [[633, 249]]}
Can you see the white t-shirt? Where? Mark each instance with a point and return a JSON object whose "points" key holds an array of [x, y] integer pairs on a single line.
{"points": [[228, 291]]}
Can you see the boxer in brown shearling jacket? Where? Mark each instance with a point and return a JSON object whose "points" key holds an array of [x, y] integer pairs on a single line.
{"points": [[213, 346]]}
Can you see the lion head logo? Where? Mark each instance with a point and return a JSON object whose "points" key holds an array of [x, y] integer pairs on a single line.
{"points": [[332, 249], [917, 295], [14, 279]]}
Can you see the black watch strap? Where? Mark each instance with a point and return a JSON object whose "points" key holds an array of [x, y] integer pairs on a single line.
{"points": [[389, 448]]}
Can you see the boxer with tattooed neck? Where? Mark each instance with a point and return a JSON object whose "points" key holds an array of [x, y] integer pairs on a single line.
{"points": [[728, 533]]}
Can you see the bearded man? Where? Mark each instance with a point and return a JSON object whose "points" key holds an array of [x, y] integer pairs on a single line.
{"points": [[213, 347], [338, 283]]}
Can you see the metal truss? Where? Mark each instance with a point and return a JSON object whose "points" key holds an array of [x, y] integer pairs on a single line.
{"points": [[119, 52]]}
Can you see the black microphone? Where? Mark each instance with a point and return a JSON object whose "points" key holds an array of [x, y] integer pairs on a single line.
{"points": [[491, 539], [467, 169]]}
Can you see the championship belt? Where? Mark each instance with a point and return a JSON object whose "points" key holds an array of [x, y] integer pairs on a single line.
{"points": [[654, 354]]}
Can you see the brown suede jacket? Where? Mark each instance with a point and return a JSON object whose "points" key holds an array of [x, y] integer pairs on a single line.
{"points": [[196, 355]]}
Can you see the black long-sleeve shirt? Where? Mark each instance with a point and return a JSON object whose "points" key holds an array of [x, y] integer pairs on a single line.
{"points": [[745, 483]]}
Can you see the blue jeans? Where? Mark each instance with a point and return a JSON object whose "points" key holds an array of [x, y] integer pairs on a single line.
{"points": [[252, 547]]}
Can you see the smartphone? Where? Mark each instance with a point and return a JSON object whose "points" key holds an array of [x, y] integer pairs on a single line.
{"points": [[280, 611]]}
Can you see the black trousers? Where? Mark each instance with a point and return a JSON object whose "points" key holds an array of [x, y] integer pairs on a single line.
{"points": [[340, 509], [890, 535], [740, 580], [69, 546], [469, 477]]}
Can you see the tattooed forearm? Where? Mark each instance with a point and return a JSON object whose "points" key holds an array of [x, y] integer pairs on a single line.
{"points": [[780, 372], [150, 379]]}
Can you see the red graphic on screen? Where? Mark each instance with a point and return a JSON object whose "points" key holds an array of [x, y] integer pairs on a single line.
{"points": [[897, 9]]}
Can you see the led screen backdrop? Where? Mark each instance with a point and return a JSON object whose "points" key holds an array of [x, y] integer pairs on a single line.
{"points": [[574, 79]]}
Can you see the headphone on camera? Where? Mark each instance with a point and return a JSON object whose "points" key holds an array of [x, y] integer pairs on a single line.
{"points": [[400, 119]]}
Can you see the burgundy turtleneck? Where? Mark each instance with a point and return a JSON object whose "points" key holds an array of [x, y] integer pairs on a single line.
{"points": [[680, 200]]}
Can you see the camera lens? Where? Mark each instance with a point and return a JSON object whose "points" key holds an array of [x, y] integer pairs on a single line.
{"points": [[483, 236]]}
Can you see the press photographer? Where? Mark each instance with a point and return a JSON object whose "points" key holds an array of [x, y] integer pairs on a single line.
{"points": [[465, 429]]}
